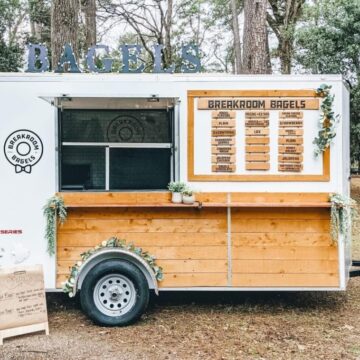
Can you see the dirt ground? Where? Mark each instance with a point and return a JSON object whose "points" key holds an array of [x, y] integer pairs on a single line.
{"points": [[209, 326]]}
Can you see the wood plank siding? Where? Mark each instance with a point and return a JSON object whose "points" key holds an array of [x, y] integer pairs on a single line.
{"points": [[267, 247]]}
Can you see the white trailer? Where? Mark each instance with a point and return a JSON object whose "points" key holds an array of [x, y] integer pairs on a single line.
{"points": [[108, 145]]}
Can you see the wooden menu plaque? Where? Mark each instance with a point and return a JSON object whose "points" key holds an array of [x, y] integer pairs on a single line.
{"points": [[256, 114], [257, 104], [223, 123], [291, 114], [257, 149], [291, 123], [290, 167], [257, 140], [223, 150], [223, 159], [257, 166], [291, 140], [257, 157], [225, 132], [289, 149], [290, 158], [218, 141], [223, 168], [257, 123], [256, 131], [223, 114], [291, 132]]}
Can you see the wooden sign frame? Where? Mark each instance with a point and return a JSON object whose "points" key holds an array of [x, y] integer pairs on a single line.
{"points": [[193, 94]]}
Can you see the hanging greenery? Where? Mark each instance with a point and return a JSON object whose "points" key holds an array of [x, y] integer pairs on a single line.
{"points": [[54, 208], [68, 286], [342, 213], [328, 120]]}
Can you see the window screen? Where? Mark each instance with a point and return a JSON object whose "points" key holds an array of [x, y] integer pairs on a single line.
{"points": [[116, 149], [83, 168], [152, 169], [131, 126]]}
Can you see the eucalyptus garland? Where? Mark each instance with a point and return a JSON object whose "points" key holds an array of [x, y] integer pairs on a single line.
{"points": [[68, 286], [328, 120], [342, 212], [54, 208]]}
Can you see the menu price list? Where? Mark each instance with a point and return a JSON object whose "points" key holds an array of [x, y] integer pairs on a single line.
{"points": [[257, 140], [223, 143], [290, 157]]}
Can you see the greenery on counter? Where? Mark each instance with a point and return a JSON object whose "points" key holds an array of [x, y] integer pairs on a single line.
{"points": [[342, 212], [54, 208]]}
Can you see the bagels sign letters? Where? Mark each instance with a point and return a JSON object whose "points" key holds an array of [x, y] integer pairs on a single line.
{"points": [[131, 59]]}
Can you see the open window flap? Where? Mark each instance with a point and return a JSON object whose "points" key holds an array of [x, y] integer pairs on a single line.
{"points": [[82, 102]]}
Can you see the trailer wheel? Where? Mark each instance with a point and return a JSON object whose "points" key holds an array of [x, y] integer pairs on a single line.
{"points": [[114, 293]]}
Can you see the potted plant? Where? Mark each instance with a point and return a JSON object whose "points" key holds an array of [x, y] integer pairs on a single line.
{"points": [[176, 188], [188, 196]]}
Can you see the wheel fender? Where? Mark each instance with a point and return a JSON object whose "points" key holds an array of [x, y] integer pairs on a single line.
{"points": [[120, 254]]}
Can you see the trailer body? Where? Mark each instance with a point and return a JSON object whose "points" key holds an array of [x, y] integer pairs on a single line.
{"points": [[262, 221]]}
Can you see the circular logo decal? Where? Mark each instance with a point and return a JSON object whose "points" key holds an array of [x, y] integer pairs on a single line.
{"points": [[23, 149], [125, 129]]}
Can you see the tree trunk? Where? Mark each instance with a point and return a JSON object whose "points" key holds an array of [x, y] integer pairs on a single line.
{"points": [[256, 57], [89, 10], [64, 28], [236, 36], [286, 50], [168, 28]]}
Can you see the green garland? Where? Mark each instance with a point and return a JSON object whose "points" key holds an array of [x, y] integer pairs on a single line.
{"points": [[54, 207], [342, 213], [328, 120], [68, 286]]}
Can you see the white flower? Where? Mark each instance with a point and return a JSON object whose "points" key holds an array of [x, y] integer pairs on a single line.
{"points": [[79, 263], [72, 281], [104, 243], [71, 294]]}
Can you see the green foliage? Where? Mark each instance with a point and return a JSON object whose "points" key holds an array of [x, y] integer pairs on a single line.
{"points": [[327, 121], [329, 40], [68, 286], [39, 14], [10, 57], [53, 208], [188, 192], [11, 48], [177, 187], [329, 43], [342, 212]]}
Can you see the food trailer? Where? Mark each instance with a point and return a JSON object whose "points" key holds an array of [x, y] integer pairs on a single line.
{"points": [[108, 145]]}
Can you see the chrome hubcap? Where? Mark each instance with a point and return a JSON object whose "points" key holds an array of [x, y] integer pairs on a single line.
{"points": [[114, 295]]}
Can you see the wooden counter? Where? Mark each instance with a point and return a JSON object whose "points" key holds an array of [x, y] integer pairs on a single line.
{"points": [[238, 239], [163, 199]]}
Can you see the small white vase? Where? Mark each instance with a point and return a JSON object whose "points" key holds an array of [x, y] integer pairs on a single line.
{"points": [[176, 197], [188, 199]]}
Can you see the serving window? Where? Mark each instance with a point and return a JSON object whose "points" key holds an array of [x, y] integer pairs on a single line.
{"points": [[106, 150]]}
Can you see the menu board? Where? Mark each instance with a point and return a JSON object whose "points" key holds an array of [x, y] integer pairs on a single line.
{"points": [[290, 141], [254, 136], [257, 140], [22, 301], [223, 149]]}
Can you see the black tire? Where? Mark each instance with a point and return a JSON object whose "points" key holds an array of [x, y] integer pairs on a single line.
{"points": [[96, 276]]}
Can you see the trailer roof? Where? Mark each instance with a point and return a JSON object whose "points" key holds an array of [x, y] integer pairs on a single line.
{"points": [[203, 77]]}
